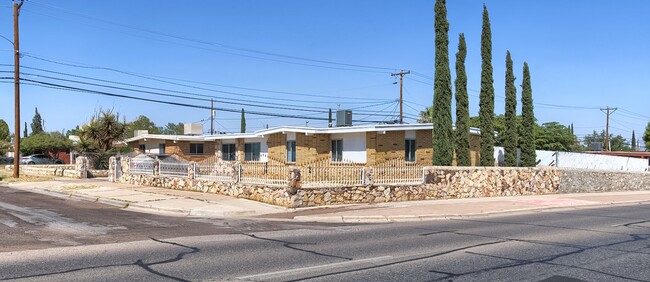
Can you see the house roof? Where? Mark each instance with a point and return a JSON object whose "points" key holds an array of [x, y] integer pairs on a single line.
{"points": [[295, 129]]}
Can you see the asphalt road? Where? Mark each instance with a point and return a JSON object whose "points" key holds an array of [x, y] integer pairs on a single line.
{"points": [[49, 239]]}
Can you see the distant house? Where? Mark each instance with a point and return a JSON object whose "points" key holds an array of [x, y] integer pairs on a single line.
{"points": [[368, 144]]}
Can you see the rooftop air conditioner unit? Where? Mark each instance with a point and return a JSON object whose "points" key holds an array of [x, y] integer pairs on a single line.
{"points": [[343, 118], [596, 146], [140, 132], [193, 129]]}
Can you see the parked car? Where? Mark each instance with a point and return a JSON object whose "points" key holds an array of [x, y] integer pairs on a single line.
{"points": [[9, 160], [39, 159]]}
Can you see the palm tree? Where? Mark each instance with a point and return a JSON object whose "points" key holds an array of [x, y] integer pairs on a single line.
{"points": [[426, 116]]}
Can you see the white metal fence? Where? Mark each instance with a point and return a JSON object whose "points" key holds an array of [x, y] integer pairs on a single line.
{"points": [[141, 166], [332, 176], [317, 174], [173, 168], [405, 174], [211, 172], [263, 173]]}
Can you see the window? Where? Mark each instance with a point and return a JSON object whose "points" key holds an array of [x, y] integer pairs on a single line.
{"points": [[161, 149], [409, 150], [196, 149], [252, 152], [228, 152], [337, 150], [142, 148], [291, 151]]}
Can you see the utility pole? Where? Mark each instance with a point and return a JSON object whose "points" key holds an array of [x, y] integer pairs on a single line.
{"points": [[608, 111], [16, 92], [211, 116], [401, 101]]}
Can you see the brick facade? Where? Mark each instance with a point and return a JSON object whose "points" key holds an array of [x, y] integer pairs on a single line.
{"points": [[423, 147], [182, 149], [310, 148], [389, 145], [277, 144]]}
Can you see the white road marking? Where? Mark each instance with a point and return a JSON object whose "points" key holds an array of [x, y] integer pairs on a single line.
{"points": [[303, 269]]}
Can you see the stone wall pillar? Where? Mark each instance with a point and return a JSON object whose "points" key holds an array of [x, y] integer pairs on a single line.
{"points": [[81, 167], [191, 170], [112, 162], [156, 167], [295, 181]]}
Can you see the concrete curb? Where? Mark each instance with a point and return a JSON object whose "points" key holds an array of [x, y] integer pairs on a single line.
{"points": [[430, 217]]}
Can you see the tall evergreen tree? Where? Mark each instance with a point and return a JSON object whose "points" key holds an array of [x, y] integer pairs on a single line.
{"points": [[442, 129], [486, 107], [510, 132], [37, 123], [633, 141], [528, 157], [25, 131], [463, 157], [243, 121]]}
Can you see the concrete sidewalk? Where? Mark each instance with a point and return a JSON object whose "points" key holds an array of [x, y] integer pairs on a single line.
{"points": [[191, 203], [149, 199]]}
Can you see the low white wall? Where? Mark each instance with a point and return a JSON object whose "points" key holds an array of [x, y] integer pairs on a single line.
{"points": [[582, 160], [354, 146]]}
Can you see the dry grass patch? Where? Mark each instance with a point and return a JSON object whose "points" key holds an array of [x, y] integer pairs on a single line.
{"points": [[6, 176]]}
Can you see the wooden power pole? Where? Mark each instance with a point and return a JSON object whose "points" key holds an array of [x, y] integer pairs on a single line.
{"points": [[211, 117], [608, 111], [401, 101], [16, 92]]}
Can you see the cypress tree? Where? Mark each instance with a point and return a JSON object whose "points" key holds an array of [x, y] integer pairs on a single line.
{"points": [[442, 129], [528, 157], [25, 131], [486, 107], [510, 132], [633, 141], [243, 121], [37, 123], [463, 157]]}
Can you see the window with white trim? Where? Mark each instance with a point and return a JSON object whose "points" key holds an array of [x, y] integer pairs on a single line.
{"points": [[228, 152], [196, 148], [337, 150], [409, 150], [291, 151], [252, 152]]}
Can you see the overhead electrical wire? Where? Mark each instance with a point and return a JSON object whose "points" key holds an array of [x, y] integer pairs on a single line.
{"points": [[214, 98], [352, 67], [77, 89], [166, 80]]}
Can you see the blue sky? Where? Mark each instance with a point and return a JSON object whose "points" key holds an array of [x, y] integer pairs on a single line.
{"points": [[583, 55]]}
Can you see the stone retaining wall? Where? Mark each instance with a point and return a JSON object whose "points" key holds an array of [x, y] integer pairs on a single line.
{"points": [[77, 170], [586, 180], [440, 183]]}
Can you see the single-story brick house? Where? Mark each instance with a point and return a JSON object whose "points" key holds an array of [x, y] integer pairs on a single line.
{"points": [[367, 144]]}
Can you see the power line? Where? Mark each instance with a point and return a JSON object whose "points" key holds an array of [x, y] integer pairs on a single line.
{"points": [[166, 80], [360, 67], [77, 89]]}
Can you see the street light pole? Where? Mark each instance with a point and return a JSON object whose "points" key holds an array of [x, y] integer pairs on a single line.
{"points": [[16, 91]]}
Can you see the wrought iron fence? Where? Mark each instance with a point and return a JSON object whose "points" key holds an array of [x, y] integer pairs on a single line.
{"points": [[263, 173], [173, 168], [141, 166], [214, 172], [398, 171], [339, 175]]}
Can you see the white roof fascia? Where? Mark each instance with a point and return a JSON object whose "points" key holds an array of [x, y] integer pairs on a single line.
{"points": [[167, 137], [296, 129]]}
